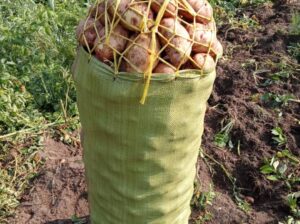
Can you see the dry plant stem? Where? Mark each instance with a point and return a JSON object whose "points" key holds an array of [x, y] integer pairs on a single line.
{"points": [[24, 131], [221, 165], [294, 100], [15, 171]]}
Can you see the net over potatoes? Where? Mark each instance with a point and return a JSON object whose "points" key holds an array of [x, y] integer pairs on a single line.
{"points": [[151, 36]]}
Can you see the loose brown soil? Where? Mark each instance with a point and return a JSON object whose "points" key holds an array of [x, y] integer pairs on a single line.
{"points": [[59, 192], [236, 97]]}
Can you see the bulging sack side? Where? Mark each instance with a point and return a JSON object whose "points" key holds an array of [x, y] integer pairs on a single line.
{"points": [[140, 159]]}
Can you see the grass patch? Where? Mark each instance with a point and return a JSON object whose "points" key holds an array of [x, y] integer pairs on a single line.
{"points": [[294, 46], [295, 23], [226, 12]]}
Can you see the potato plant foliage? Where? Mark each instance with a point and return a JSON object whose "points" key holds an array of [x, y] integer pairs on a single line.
{"points": [[37, 49]]}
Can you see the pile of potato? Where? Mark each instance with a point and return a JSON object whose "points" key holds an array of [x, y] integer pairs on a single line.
{"points": [[152, 35]]}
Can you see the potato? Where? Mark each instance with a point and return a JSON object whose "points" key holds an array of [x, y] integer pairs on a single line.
{"points": [[164, 68], [132, 14], [172, 31], [217, 49], [122, 7], [117, 42], [138, 54], [100, 13], [201, 7], [170, 10], [86, 28], [204, 62], [202, 35]]}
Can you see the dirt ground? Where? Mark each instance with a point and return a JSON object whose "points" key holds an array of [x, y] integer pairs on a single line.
{"points": [[59, 191], [253, 120]]}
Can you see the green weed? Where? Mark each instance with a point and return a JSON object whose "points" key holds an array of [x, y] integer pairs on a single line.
{"points": [[282, 167], [226, 12], [294, 50], [294, 46], [293, 200], [200, 201], [283, 73], [276, 100], [222, 138], [278, 136], [295, 24]]}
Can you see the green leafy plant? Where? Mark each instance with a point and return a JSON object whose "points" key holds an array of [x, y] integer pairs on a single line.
{"points": [[294, 46], [278, 136], [226, 12], [222, 138], [276, 100], [295, 24], [294, 50], [282, 167], [274, 169], [201, 200], [280, 75], [293, 200]]}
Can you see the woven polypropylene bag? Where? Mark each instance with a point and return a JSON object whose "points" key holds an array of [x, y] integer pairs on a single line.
{"points": [[140, 159]]}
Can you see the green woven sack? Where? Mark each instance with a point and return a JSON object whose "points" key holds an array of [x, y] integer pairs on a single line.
{"points": [[140, 159]]}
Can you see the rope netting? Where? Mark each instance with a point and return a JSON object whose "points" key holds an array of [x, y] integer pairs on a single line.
{"points": [[151, 36]]}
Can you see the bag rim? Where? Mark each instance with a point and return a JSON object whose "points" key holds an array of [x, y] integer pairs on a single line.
{"points": [[161, 77]]}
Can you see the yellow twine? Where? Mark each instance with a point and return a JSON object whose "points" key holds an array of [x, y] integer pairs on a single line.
{"points": [[152, 58]]}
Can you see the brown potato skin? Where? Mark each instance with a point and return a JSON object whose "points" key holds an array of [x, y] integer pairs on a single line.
{"points": [[129, 18], [100, 13], [88, 31], [177, 35], [217, 49], [123, 6], [164, 68], [170, 10], [138, 54], [202, 8], [203, 35], [103, 51], [204, 62]]}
